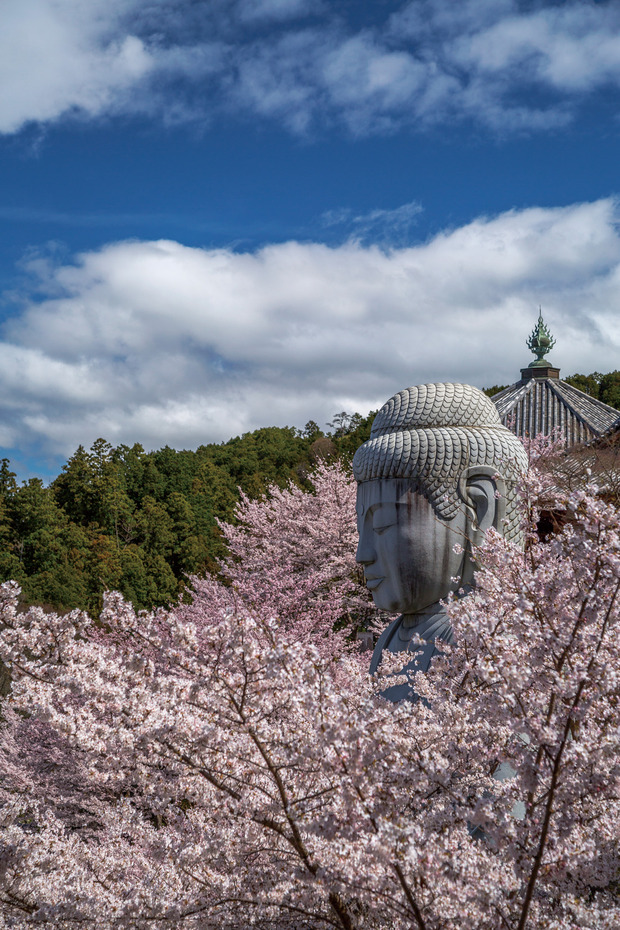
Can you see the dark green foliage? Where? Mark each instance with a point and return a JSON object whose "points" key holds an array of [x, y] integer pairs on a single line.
{"points": [[589, 384], [142, 522], [495, 389], [609, 389], [45, 550], [358, 432], [8, 485], [605, 388]]}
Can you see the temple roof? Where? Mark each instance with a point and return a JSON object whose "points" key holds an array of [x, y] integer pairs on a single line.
{"points": [[540, 402]]}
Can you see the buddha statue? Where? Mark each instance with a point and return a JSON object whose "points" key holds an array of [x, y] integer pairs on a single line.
{"points": [[438, 471]]}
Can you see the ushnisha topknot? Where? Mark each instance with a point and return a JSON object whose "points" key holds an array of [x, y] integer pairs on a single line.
{"points": [[431, 433], [434, 405]]}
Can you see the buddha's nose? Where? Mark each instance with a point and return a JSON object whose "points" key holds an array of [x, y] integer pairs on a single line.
{"points": [[365, 554]]}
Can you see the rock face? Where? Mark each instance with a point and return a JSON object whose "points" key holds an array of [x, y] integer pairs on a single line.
{"points": [[439, 469]]}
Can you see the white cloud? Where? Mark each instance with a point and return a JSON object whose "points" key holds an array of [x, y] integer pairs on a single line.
{"points": [[568, 48], [302, 63], [265, 10], [160, 343], [55, 57], [385, 227]]}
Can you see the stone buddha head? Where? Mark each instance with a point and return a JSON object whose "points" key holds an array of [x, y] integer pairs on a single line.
{"points": [[438, 470]]}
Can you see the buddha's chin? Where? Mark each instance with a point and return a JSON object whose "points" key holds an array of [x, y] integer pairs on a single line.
{"points": [[394, 605], [384, 602]]}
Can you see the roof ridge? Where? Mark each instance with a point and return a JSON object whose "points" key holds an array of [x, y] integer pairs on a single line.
{"points": [[517, 386], [592, 400], [590, 417], [566, 402]]}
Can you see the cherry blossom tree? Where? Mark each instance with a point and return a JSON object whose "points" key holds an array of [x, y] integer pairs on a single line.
{"points": [[213, 766], [292, 555]]}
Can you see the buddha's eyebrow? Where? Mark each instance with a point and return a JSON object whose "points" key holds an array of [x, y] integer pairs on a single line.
{"points": [[361, 509], [385, 513]]}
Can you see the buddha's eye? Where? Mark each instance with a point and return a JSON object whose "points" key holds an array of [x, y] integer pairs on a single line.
{"points": [[383, 517]]}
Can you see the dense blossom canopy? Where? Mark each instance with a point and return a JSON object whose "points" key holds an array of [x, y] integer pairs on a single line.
{"points": [[215, 766]]}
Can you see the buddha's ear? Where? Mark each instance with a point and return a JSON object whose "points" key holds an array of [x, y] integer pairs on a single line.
{"points": [[484, 493]]}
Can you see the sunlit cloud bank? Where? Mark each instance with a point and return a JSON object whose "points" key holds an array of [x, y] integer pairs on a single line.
{"points": [[505, 64], [163, 344]]}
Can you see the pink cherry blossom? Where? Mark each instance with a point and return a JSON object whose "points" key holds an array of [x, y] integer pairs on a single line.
{"points": [[231, 764]]}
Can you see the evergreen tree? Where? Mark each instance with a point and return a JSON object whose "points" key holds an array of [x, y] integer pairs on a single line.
{"points": [[609, 389], [589, 384]]}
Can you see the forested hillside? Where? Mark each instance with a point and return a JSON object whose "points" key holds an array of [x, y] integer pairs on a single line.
{"points": [[604, 387], [140, 522]]}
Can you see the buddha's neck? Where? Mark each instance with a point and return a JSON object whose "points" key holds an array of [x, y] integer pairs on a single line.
{"points": [[429, 618], [426, 620]]}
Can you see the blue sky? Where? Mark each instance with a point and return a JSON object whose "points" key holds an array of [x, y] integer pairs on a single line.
{"points": [[227, 214]]}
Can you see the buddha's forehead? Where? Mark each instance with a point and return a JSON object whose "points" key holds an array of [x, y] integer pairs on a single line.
{"points": [[386, 491]]}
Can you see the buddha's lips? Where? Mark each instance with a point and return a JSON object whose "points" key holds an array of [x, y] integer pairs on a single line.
{"points": [[374, 582]]}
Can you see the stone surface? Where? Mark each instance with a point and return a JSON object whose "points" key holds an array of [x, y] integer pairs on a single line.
{"points": [[438, 470]]}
